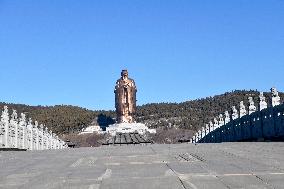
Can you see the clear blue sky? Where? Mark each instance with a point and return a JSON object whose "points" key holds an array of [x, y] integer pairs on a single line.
{"points": [[71, 52]]}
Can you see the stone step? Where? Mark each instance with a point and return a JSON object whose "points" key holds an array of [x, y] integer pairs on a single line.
{"points": [[127, 139]]}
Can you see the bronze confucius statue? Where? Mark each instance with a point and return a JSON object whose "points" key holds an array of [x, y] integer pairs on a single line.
{"points": [[125, 98]]}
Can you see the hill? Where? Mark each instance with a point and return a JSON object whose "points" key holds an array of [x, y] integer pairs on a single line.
{"points": [[194, 114], [190, 115], [62, 119]]}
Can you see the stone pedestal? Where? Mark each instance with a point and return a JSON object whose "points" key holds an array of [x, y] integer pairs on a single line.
{"points": [[129, 128]]}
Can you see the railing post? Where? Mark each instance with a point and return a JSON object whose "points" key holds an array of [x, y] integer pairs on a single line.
{"points": [[243, 111], [252, 107], [23, 128], [215, 124], [262, 102], [46, 138], [275, 100], [194, 139], [235, 114], [5, 126], [50, 139], [30, 134], [14, 130], [211, 127], [221, 120], [36, 133], [41, 137], [227, 117]]}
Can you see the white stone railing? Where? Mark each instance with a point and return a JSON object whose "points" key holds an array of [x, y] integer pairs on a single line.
{"points": [[225, 118], [21, 134]]}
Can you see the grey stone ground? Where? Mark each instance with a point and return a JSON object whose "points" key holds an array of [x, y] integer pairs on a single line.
{"points": [[228, 165]]}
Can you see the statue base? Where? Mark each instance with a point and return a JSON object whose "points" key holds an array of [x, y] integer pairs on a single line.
{"points": [[129, 128]]}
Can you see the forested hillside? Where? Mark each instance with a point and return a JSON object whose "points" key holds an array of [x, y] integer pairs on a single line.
{"points": [[194, 114], [187, 115], [62, 118]]}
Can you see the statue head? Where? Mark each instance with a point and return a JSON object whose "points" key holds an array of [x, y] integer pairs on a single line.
{"points": [[30, 121], [234, 108], [124, 74], [274, 91], [14, 115], [5, 111], [227, 114], [250, 99], [23, 116]]}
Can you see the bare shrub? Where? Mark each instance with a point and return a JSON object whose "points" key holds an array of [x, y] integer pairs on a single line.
{"points": [[166, 136], [85, 140]]}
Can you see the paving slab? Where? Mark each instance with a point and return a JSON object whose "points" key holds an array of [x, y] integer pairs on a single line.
{"points": [[185, 166]]}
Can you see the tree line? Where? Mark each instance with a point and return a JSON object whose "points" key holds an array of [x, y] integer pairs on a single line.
{"points": [[189, 115]]}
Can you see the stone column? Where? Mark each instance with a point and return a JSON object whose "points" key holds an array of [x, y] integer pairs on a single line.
{"points": [[24, 140], [197, 136], [46, 139], [61, 144], [41, 147], [50, 140], [221, 120], [20, 132], [203, 132], [193, 139], [275, 101], [14, 129], [56, 142], [215, 123], [5, 127], [207, 129], [36, 135], [227, 117], [252, 107], [211, 126], [262, 102], [23, 127], [235, 114], [243, 111], [30, 135]]}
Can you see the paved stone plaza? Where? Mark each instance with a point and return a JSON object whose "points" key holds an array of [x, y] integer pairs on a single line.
{"points": [[227, 165]]}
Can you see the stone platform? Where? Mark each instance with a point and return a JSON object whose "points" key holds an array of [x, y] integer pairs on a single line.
{"points": [[201, 166], [140, 128]]}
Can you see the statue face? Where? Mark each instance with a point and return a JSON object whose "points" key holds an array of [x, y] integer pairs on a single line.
{"points": [[124, 74]]}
